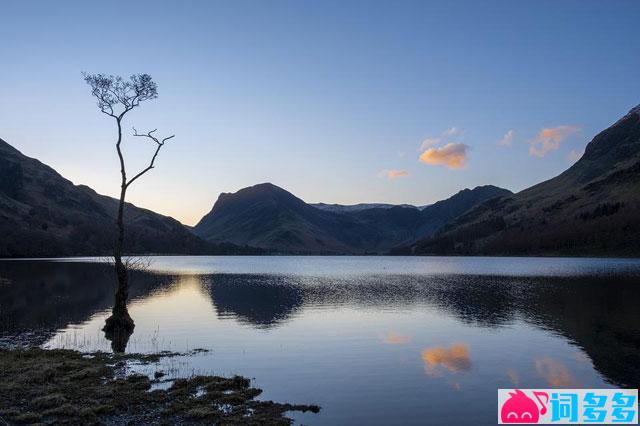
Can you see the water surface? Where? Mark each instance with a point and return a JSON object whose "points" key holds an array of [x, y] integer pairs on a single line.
{"points": [[373, 340]]}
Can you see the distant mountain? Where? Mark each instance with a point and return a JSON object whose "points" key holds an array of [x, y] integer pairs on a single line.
{"points": [[341, 208], [593, 208], [271, 218], [44, 214]]}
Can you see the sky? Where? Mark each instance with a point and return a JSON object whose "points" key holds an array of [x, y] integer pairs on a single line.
{"points": [[335, 101]]}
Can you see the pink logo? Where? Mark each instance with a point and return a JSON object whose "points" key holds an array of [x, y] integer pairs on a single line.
{"points": [[519, 408]]}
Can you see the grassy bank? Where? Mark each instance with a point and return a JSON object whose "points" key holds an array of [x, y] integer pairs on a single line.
{"points": [[66, 387]]}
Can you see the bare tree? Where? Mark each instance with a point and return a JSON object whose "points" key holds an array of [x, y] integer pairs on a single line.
{"points": [[116, 97]]}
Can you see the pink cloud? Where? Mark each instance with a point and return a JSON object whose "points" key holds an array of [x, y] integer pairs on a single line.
{"points": [[549, 139]]}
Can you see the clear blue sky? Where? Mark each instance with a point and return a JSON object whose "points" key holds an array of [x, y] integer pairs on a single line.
{"points": [[326, 99]]}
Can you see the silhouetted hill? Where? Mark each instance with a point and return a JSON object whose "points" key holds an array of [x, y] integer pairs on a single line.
{"points": [[269, 217], [44, 214], [593, 208]]}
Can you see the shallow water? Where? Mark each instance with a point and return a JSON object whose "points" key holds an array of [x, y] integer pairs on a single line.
{"points": [[373, 340]]}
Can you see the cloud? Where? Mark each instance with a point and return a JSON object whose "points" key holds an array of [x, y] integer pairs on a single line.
{"points": [[452, 155], [393, 338], [451, 131], [507, 139], [455, 358], [574, 155], [393, 174], [549, 139], [428, 143]]}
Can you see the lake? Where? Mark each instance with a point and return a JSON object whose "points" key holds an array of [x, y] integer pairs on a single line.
{"points": [[372, 340]]}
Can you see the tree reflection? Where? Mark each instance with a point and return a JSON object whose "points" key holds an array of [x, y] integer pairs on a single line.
{"points": [[42, 297], [119, 339]]}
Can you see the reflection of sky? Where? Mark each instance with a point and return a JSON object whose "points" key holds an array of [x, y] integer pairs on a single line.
{"points": [[337, 354], [393, 338], [556, 373], [383, 265]]}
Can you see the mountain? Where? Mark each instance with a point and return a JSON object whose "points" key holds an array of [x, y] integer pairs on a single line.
{"points": [[44, 214], [593, 208], [271, 218], [341, 208]]}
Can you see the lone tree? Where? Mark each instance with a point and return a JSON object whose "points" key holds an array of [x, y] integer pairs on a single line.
{"points": [[116, 97]]}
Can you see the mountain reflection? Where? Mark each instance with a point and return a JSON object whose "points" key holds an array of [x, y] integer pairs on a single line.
{"points": [[262, 301], [604, 323]]}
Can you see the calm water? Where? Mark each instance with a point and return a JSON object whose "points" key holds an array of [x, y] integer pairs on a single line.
{"points": [[373, 340]]}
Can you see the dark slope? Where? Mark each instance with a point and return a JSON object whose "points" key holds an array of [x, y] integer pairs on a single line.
{"points": [[44, 214], [593, 208], [399, 226], [269, 217]]}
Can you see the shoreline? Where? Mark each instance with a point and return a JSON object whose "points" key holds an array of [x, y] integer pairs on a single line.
{"points": [[45, 386]]}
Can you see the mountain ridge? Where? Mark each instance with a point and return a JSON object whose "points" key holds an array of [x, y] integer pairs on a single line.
{"points": [[44, 214], [334, 207], [589, 209], [270, 217]]}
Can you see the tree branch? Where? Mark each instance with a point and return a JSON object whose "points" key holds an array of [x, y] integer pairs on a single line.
{"points": [[159, 145]]}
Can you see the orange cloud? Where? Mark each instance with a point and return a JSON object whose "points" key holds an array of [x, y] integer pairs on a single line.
{"points": [[549, 139], [452, 155], [392, 338], [555, 373], [444, 137], [394, 174], [454, 358], [507, 139]]}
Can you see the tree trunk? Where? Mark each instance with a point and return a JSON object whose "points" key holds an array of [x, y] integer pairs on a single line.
{"points": [[120, 324]]}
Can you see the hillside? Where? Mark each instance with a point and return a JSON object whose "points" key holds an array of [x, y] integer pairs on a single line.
{"points": [[269, 217], [44, 214], [593, 208]]}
